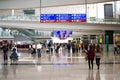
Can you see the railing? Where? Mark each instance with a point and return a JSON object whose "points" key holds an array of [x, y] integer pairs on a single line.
{"points": [[20, 18], [37, 18], [25, 33], [106, 21]]}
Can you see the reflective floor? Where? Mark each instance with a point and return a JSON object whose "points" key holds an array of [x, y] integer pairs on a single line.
{"points": [[62, 67]]}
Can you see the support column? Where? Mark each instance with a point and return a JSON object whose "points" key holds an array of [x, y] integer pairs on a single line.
{"points": [[108, 38], [109, 33]]}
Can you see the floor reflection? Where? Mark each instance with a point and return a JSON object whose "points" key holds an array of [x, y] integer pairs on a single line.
{"points": [[5, 71], [98, 75], [24, 57], [14, 69], [90, 75]]}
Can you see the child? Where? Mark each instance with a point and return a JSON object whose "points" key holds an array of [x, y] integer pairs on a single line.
{"points": [[14, 56]]}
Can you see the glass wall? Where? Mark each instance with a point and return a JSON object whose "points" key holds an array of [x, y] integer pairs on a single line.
{"points": [[5, 32]]}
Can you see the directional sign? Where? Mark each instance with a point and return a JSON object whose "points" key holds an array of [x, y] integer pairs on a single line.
{"points": [[63, 18]]}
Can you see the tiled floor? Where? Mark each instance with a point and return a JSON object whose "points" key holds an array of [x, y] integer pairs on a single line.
{"points": [[60, 68]]}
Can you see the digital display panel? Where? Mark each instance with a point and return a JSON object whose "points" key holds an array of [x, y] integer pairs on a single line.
{"points": [[63, 18], [63, 34]]}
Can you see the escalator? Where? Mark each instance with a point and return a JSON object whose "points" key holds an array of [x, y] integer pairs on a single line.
{"points": [[24, 36], [27, 32]]}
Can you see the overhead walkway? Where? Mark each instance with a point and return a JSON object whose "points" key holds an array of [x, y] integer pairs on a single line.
{"points": [[33, 22], [27, 25]]}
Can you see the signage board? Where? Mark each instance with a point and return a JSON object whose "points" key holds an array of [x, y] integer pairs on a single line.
{"points": [[63, 18]]}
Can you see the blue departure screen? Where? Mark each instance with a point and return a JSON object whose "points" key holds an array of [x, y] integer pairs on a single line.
{"points": [[63, 18]]}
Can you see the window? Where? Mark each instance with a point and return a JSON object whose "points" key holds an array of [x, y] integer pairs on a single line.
{"points": [[29, 12]]}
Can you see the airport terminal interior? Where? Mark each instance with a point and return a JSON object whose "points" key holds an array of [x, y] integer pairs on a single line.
{"points": [[59, 40]]}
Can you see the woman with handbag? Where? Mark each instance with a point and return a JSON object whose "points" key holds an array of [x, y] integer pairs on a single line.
{"points": [[90, 56]]}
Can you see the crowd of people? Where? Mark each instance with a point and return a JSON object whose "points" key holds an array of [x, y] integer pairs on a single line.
{"points": [[90, 51]]}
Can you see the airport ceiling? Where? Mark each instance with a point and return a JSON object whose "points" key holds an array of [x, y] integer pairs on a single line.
{"points": [[11, 4]]}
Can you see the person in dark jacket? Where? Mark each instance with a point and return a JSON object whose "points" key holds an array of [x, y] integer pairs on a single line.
{"points": [[5, 51], [90, 56]]}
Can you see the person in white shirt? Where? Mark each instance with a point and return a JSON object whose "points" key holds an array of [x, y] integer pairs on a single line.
{"points": [[39, 47], [33, 49], [60, 51], [14, 47]]}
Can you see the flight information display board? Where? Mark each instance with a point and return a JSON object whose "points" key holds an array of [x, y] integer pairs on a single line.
{"points": [[63, 18], [62, 34]]}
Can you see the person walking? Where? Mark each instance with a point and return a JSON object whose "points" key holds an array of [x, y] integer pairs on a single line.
{"points": [[69, 46], [33, 48], [90, 56], [115, 49], [98, 56], [5, 52], [39, 49]]}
